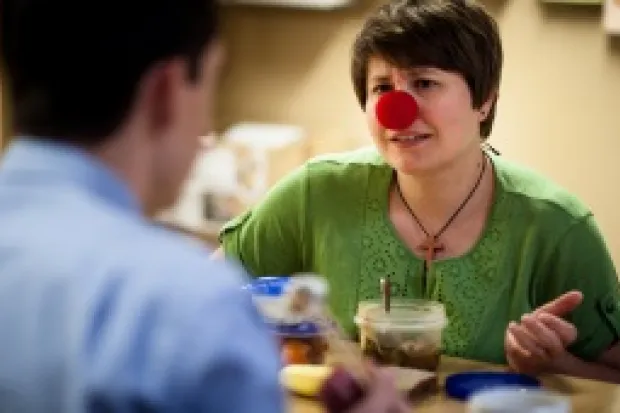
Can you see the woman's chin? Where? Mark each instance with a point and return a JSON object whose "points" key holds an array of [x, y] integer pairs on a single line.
{"points": [[409, 165]]}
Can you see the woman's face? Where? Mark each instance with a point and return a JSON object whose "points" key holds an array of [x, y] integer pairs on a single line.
{"points": [[447, 125]]}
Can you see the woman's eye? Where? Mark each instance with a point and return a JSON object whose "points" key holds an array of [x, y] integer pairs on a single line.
{"points": [[424, 83], [381, 88]]}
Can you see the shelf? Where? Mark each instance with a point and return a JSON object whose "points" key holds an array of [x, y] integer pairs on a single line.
{"points": [[576, 2], [293, 4]]}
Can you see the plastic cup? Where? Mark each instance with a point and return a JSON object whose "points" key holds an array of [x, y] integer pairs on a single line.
{"points": [[408, 335]]}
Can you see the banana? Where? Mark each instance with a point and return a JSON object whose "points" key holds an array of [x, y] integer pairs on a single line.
{"points": [[304, 379]]}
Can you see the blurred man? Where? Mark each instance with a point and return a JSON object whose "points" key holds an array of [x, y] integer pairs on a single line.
{"points": [[100, 310]]}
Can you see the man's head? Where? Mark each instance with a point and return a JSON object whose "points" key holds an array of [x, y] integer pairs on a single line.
{"points": [[130, 80]]}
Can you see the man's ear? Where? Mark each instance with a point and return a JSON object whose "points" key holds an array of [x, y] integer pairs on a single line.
{"points": [[158, 93]]}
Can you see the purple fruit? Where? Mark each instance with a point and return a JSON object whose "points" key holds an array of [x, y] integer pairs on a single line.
{"points": [[340, 391]]}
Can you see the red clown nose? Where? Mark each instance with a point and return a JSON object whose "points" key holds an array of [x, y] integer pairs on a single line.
{"points": [[396, 110]]}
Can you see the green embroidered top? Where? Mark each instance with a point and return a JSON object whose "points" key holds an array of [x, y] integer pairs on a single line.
{"points": [[330, 217]]}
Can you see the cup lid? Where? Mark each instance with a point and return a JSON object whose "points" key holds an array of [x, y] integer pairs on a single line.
{"points": [[407, 315], [268, 286], [300, 330], [513, 399], [462, 386], [276, 286]]}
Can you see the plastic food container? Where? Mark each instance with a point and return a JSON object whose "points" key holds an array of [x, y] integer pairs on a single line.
{"points": [[518, 400], [408, 335], [291, 306]]}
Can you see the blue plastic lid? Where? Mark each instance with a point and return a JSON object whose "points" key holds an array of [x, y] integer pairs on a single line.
{"points": [[462, 386], [304, 329], [268, 286]]}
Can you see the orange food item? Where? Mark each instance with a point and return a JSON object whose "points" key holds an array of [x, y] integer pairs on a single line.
{"points": [[296, 352]]}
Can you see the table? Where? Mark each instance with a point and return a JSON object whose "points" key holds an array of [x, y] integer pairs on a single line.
{"points": [[587, 396]]}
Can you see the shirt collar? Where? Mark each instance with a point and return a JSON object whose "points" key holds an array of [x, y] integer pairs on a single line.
{"points": [[42, 162]]}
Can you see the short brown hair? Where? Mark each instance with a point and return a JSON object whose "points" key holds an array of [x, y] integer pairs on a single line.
{"points": [[453, 35]]}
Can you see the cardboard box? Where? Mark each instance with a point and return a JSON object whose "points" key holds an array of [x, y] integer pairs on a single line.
{"points": [[264, 154]]}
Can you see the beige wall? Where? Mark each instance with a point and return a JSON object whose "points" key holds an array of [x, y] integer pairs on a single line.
{"points": [[560, 97]]}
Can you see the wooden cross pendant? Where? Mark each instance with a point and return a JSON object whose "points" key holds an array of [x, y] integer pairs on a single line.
{"points": [[431, 247]]}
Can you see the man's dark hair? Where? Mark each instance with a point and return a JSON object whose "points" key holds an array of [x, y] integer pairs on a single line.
{"points": [[454, 35], [73, 66]]}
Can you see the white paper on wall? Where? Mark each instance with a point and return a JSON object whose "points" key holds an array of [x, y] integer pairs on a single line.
{"points": [[611, 19]]}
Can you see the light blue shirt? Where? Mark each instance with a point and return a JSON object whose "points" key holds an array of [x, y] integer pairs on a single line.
{"points": [[103, 311]]}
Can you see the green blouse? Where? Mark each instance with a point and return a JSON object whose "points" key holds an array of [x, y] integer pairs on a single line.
{"points": [[331, 217]]}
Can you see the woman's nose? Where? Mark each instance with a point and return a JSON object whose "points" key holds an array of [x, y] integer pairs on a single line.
{"points": [[396, 110], [403, 82]]}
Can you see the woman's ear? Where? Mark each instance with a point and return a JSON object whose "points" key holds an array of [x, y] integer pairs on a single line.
{"points": [[485, 109]]}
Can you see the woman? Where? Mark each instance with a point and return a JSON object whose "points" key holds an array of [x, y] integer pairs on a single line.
{"points": [[442, 216]]}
